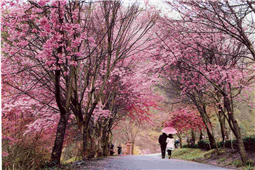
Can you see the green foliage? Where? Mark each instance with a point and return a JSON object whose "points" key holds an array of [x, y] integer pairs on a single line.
{"points": [[248, 165], [249, 162], [237, 163]]}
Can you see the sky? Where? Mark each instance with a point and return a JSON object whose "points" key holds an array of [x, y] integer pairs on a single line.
{"points": [[159, 4]]}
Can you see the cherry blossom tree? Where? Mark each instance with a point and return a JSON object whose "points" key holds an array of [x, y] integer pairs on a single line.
{"points": [[205, 62], [18, 111], [62, 47], [196, 97], [183, 120], [232, 18]]}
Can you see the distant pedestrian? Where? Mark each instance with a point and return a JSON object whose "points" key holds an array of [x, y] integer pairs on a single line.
{"points": [[188, 142], [170, 145], [112, 149], [119, 150], [162, 142], [192, 142], [176, 143]]}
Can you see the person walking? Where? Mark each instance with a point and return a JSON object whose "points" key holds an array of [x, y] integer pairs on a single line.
{"points": [[119, 149], [176, 143], [111, 149], [170, 145], [162, 141], [188, 142]]}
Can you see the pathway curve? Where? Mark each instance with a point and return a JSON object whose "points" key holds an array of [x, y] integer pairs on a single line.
{"points": [[140, 162]]}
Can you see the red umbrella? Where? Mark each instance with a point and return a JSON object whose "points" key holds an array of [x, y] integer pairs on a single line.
{"points": [[169, 130]]}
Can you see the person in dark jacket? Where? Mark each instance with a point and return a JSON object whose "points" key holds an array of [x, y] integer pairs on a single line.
{"points": [[176, 143], [119, 150], [162, 141], [112, 149]]}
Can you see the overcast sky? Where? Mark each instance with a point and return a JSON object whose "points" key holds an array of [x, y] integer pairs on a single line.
{"points": [[159, 4]]}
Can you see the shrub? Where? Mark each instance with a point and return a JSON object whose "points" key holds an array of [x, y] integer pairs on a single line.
{"points": [[204, 144], [228, 144], [249, 143], [72, 150], [184, 146], [27, 153], [195, 146]]}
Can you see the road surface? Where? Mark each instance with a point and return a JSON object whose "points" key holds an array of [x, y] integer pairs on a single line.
{"points": [[140, 162]]}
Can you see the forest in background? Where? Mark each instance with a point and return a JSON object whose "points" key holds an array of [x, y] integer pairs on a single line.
{"points": [[146, 140]]}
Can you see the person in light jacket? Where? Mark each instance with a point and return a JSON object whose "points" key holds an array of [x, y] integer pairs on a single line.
{"points": [[170, 145]]}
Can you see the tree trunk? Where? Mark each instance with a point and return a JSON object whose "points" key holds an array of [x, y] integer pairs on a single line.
{"points": [[105, 142], [223, 130], [193, 138], [236, 130], [58, 144], [92, 146], [211, 139], [207, 122], [133, 147], [215, 142], [99, 151], [61, 129], [85, 147], [180, 139], [201, 135], [222, 124], [239, 140]]}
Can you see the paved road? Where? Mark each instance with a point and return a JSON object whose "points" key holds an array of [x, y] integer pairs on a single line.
{"points": [[142, 162]]}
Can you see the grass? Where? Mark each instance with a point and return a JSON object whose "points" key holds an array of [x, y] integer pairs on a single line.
{"points": [[190, 154], [73, 159], [223, 159], [237, 163], [248, 167]]}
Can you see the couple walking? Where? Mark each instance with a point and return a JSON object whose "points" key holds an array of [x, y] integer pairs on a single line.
{"points": [[166, 143]]}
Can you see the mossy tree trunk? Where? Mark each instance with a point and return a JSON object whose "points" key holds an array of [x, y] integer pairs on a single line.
{"points": [[235, 128]]}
